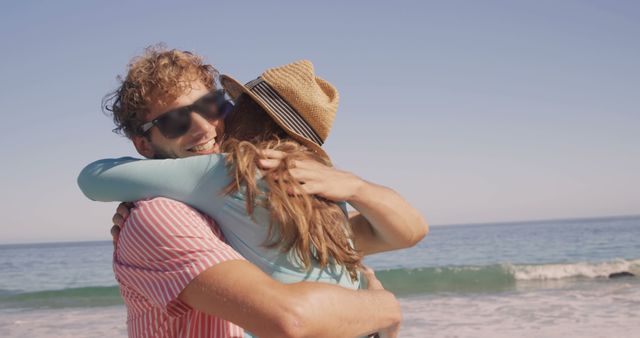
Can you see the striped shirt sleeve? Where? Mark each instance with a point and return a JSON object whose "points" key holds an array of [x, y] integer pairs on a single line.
{"points": [[164, 245]]}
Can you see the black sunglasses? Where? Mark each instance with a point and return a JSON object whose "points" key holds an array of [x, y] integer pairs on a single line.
{"points": [[176, 122]]}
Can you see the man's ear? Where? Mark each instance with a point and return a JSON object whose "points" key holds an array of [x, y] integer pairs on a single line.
{"points": [[143, 146]]}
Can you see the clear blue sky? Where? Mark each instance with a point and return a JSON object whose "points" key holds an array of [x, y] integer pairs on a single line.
{"points": [[476, 111]]}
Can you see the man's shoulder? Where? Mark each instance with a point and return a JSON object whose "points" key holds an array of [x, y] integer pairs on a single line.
{"points": [[163, 203], [162, 206], [164, 214]]}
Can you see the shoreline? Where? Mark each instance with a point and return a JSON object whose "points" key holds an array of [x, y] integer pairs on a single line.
{"points": [[606, 311]]}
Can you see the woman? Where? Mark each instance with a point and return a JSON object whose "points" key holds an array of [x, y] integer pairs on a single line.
{"points": [[288, 234]]}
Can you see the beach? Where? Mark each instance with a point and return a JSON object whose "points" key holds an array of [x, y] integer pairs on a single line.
{"points": [[607, 312], [524, 279]]}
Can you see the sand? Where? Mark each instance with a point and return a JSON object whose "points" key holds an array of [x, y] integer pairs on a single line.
{"points": [[587, 313]]}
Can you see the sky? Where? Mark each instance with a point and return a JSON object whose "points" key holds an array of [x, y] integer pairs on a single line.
{"points": [[475, 111]]}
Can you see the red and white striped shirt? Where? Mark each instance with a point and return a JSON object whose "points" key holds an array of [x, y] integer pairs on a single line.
{"points": [[162, 247]]}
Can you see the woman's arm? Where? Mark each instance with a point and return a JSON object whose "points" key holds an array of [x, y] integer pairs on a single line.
{"points": [[194, 180], [385, 220]]}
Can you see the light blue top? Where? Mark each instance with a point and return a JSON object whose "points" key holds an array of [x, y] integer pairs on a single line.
{"points": [[198, 181]]}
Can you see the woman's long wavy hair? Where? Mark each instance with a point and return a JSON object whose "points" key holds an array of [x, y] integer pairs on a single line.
{"points": [[315, 229]]}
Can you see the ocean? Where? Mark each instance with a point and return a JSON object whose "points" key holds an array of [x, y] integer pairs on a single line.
{"points": [[524, 279]]}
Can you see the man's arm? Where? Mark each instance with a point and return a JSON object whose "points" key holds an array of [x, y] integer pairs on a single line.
{"points": [[385, 221], [188, 262], [240, 292]]}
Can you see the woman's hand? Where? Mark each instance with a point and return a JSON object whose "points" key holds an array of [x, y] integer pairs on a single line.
{"points": [[122, 212], [316, 178]]}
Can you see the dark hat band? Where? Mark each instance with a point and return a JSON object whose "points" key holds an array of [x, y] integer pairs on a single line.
{"points": [[282, 111]]}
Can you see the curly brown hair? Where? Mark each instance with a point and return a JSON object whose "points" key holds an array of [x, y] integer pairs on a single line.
{"points": [[159, 75]]}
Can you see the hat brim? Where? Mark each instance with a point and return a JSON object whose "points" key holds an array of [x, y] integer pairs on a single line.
{"points": [[235, 89]]}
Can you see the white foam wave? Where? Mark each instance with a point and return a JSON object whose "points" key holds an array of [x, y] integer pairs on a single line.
{"points": [[572, 270]]}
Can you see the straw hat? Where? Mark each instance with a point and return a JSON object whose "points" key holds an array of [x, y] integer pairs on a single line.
{"points": [[301, 103]]}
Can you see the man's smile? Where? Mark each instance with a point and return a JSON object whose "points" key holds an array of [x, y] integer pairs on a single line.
{"points": [[207, 147]]}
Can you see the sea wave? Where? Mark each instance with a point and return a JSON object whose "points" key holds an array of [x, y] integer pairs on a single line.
{"points": [[96, 296], [402, 282], [499, 277], [573, 270]]}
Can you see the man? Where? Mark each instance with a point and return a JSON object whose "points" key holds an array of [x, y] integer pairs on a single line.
{"points": [[179, 278]]}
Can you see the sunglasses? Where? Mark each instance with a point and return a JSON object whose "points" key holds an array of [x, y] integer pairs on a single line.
{"points": [[176, 122]]}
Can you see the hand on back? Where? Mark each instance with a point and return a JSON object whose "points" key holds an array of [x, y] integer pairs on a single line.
{"points": [[374, 284], [121, 215]]}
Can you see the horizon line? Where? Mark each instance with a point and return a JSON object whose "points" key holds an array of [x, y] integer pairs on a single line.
{"points": [[542, 220], [436, 225]]}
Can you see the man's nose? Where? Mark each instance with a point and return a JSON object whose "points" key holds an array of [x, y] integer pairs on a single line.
{"points": [[201, 126]]}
